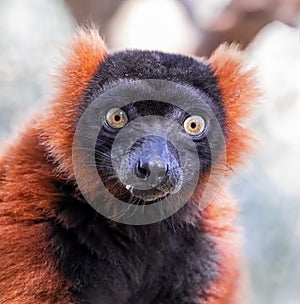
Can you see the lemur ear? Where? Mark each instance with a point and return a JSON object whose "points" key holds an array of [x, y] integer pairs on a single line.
{"points": [[239, 92], [83, 57]]}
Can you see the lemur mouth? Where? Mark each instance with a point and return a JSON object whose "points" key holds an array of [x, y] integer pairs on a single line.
{"points": [[153, 194], [147, 195]]}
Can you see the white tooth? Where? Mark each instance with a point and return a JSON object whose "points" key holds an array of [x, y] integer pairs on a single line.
{"points": [[128, 187]]}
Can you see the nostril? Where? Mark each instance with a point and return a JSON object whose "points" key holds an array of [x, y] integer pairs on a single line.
{"points": [[142, 169]]}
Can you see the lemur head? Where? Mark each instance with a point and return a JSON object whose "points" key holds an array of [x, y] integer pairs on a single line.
{"points": [[160, 121], [157, 102]]}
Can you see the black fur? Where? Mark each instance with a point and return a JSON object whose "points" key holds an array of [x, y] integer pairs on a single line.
{"points": [[133, 65], [155, 264], [161, 263]]}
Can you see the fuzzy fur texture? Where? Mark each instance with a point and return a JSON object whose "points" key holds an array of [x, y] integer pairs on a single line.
{"points": [[51, 251]]}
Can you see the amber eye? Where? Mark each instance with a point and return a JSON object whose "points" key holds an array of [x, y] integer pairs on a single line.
{"points": [[116, 118], [194, 125]]}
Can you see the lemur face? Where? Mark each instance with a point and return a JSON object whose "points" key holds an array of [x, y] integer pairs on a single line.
{"points": [[185, 116]]}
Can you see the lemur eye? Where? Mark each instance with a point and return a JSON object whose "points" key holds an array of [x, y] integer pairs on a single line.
{"points": [[116, 118], [194, 125]]}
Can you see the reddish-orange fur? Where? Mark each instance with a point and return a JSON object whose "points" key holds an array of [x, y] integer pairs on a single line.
{"points": [[87, 52], [27, 273], [239, 92]]}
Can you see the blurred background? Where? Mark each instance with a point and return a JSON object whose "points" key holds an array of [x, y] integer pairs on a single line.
{"points": [[32, 33]]}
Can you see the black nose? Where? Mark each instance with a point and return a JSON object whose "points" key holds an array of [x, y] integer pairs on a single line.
{"points": [[153, 170]]}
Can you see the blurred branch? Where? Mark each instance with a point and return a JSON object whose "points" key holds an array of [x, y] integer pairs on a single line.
{"points": [[241, 21]]}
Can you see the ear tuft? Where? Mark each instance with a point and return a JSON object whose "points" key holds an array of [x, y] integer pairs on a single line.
{"points": [[239, 92], [83, 57]]}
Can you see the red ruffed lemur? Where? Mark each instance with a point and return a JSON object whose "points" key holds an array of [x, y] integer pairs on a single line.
{"points": [[55, 246]]}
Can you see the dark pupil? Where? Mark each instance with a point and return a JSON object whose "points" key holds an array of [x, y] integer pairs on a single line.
{"points": [[117, 118], [193, 125]]}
